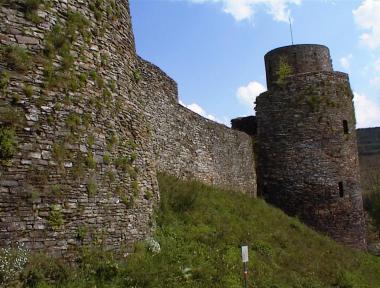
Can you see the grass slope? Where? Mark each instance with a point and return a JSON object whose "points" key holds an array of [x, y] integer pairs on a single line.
{"points": [[200, 229]]}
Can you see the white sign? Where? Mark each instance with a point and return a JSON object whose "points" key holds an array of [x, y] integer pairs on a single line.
{"points": [[244, 253]]}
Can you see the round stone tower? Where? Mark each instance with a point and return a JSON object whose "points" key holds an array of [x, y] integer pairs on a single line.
{"points": [[307, 150]]}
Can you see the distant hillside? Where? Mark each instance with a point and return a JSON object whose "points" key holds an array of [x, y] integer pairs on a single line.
{"points": [[200, 229], [369, 141]]}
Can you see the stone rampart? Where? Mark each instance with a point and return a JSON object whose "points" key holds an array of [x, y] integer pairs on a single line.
{"points": [[76, 156], [84, 124], [189, 146]]}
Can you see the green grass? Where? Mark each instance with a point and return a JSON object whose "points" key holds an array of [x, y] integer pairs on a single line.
{"points": [[200, 229]]}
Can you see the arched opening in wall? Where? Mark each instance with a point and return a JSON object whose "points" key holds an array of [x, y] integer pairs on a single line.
{"points": [[345, 126], [341, 190]]}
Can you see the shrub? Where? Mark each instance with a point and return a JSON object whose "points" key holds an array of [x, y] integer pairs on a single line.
{"points": [[73, 121], [8, 143], [92, 187], [17, 58], [182, 198], [4, 81], [136, 75], [284, 70], [82, 232], [60, 152], [28, 90], [42, 269], [90, 161], [55, 219], [11, 116], [30, 10], [106, 158]]}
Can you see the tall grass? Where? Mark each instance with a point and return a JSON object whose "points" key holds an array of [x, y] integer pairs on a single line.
{"points": [[200, 230]]}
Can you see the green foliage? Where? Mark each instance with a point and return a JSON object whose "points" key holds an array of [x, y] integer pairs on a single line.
{"points": [[30, 8], [82, 232], [16, 57], [128, 201], [92, 187], [56, 190], [4, 81], [58, 45], [11, 116], [284, 70], [371, 185], [60, 152], [8, 143], [41, 270], [110, 176], [90, 161], [73, 121], [33, 195], [90, 141], [200, 247], [314, 102], [137, 76], [55, 219], [148, 195], [106, 158], [123, 163], [112, 141], [28, 90], [15, 99]]}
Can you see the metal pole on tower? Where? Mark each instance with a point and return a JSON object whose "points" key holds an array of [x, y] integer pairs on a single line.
{"points": [[291, 30]]}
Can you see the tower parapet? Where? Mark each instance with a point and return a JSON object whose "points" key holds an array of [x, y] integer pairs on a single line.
{"points": [[300, 58], [307, 151]]}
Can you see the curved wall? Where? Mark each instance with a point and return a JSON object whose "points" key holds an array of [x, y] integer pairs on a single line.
{"points": [[301, 58], [307, 155], [83, 170]]}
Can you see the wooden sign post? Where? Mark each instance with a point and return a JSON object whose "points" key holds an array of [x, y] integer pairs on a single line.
{"points": [[244, 256]]}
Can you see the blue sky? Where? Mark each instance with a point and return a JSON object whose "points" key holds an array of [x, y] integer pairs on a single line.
{"points": [[214, 49]]}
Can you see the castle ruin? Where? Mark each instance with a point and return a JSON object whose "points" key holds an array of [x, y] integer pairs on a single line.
{"points": [[86, 124]]}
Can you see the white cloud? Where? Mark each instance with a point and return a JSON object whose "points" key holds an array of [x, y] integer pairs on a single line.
{"points": [[367, 17], [367, 111], [199, 110], [245, 9], [247, 94], [345, 61]]}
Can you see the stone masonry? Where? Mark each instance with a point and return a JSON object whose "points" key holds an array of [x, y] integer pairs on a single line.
{"points": [[189, 146], [307, 150], [85, 125]]}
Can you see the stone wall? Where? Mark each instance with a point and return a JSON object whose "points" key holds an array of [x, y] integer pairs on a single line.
{"points": [[299, 58], [189, 146], [307, 155], [84, 124], [76, 155]]}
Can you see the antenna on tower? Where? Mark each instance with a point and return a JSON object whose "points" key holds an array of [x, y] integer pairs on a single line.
{"points": [[291, 29]]}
